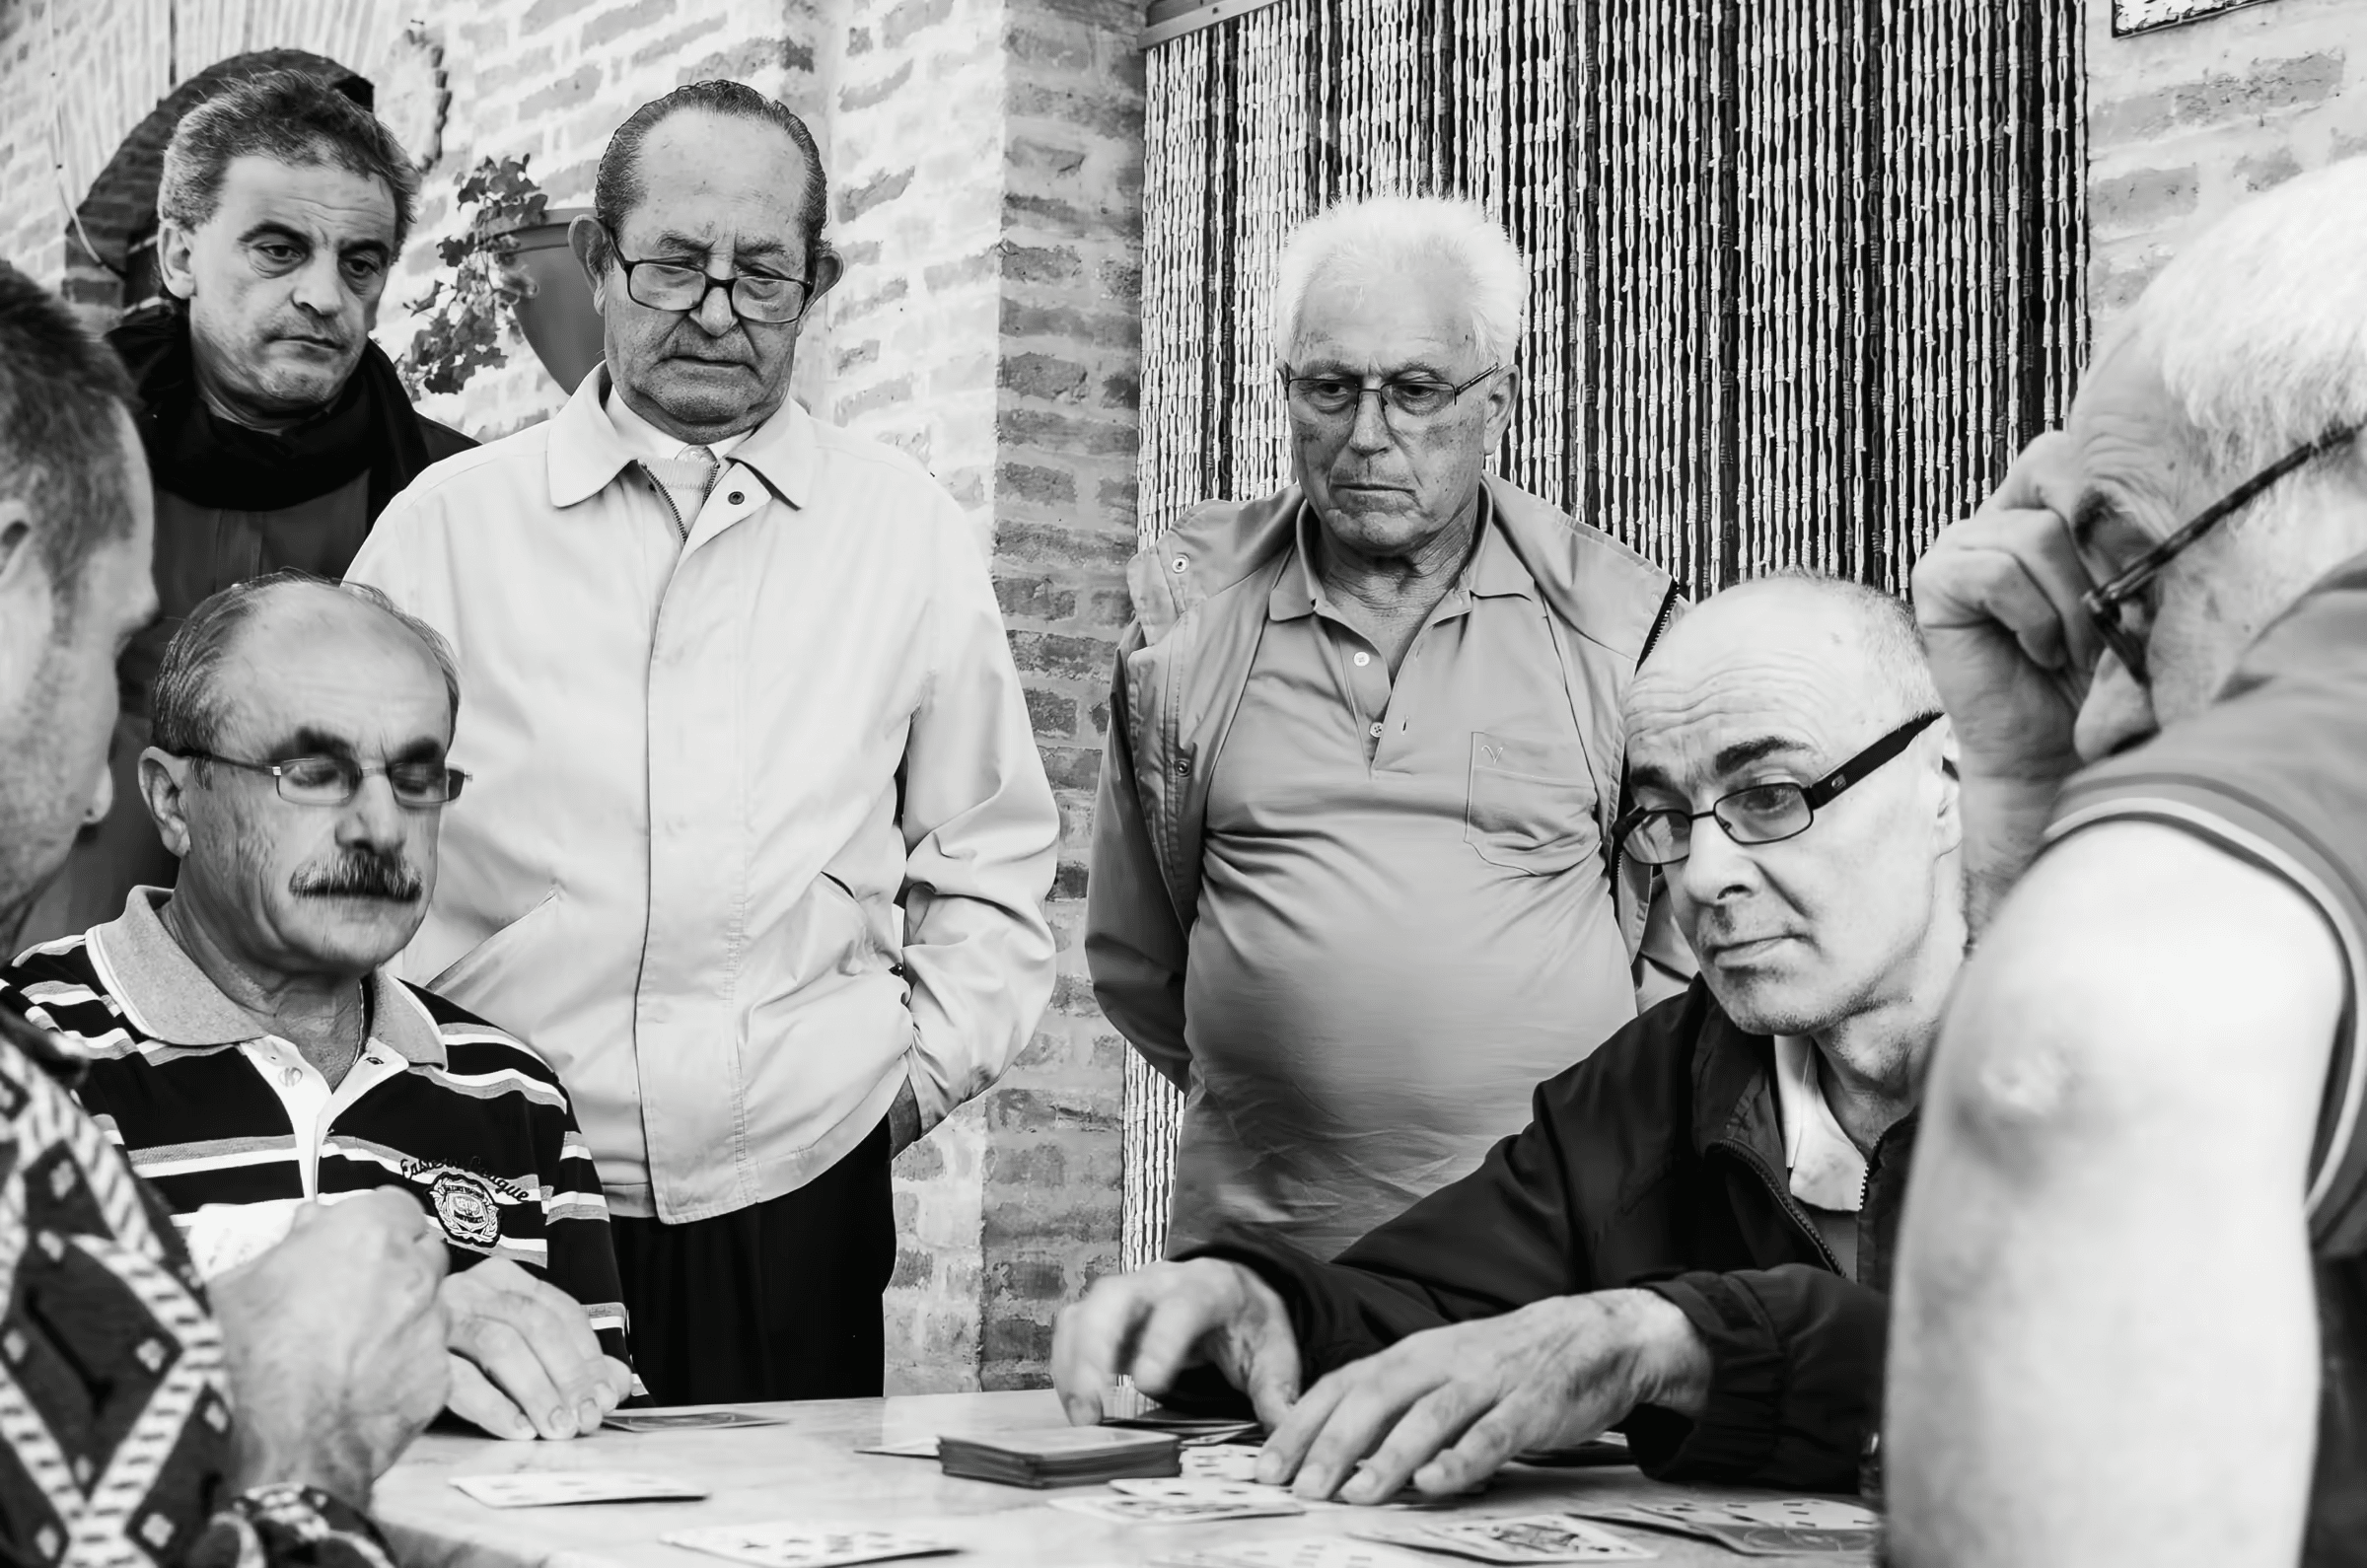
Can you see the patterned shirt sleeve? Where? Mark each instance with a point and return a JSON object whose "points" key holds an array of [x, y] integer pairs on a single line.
{"points": [[114, 1419]]}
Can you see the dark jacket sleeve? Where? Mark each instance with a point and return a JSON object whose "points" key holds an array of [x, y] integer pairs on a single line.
{"points": [[1795, 1381], [1134, 946]]}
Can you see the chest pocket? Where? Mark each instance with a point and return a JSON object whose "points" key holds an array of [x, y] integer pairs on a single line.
{"points": [[1530, 806]]}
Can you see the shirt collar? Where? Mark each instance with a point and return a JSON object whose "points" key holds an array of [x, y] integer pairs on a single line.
{"points": [[1826, 1169], [647, 442], [1494, 570], [588, 450], [168, 997]]}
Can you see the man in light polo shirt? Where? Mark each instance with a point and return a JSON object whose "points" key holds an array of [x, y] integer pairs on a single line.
{"points": [[757, 837], [1353, 886], [249, 1052]]}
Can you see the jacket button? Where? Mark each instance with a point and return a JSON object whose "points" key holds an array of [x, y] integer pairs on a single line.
{"points": [[735, 498], [1178, 564], [1182, 764]]}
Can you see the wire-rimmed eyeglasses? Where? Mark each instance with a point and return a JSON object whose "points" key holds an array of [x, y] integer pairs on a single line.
{"points": [[1763, 814]]}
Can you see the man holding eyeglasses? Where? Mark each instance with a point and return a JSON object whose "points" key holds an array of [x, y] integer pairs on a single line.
{"points": [[1353, 886], [2132, 1305], [248, 1051], [756, 833], [1690, 1238]]}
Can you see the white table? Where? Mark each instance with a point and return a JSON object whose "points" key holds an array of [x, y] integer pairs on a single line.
{"points": [[808, 1470]]}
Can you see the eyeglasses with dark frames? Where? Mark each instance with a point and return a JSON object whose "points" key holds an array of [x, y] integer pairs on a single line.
{"points": [[1763, 814], [324, 781], [2107, 605], [1414, 396], [674, 286]]}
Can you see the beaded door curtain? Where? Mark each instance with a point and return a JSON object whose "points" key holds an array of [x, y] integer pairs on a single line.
{"points": [[1804, 275]]}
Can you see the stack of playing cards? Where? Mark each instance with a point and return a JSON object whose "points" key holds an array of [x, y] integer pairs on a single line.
{"points": [[1526, 1538], [1790, 1526], [1179, 1500], [1060, 1456]]}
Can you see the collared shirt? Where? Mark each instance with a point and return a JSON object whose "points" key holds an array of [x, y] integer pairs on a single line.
{"points": [[115, 1425], [647, 442], [1405, 922], [756, 831], [214, 1111], [1827, 1172]]}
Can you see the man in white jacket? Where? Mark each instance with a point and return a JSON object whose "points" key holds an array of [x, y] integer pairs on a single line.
{"points": [[757, 836]]}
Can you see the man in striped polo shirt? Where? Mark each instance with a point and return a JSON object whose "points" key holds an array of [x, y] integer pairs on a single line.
{"points": [[249, 1052]]}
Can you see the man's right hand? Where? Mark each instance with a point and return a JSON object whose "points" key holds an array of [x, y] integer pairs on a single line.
{"points": [[2012, 650], [1154, 1323], [525, 1362], [333, 1342]]}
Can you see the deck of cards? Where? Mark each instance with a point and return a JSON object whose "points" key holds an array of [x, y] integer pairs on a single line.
{"points": [[1060, 1456], [545, 1488], [1524, 1538], [789, 1544], [1790, 1526]]}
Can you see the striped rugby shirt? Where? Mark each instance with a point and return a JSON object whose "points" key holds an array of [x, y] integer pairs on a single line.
{"points": [[469, 1120]]}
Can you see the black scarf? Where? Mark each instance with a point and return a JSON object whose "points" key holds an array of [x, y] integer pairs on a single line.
{"points": [[210, 461]]}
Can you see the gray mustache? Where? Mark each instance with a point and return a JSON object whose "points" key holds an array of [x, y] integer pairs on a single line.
{"points": [[360, 876]]}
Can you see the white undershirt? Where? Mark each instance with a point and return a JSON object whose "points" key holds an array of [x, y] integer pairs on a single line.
{"points": [[1827, 1172]]}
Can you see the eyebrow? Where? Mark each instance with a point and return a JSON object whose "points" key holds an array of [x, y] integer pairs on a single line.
{"points": [[673, 241], [270, 229], [1742, 753], [308, 742]]}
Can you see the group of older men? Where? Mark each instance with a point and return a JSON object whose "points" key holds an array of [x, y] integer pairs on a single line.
{"points": [[1554, 978]]}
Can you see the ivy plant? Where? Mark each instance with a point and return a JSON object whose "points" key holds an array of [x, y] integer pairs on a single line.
{"points": [[464, 314]]}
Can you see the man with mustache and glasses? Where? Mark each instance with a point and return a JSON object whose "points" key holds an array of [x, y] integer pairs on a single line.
{"points": [[1394, 685], [247, 1049], [1691, 1240], [276, 430], [759, 837]]}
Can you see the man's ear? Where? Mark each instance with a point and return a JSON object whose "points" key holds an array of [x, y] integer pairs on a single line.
{"points": [[27, 607], [828, 267], [1501, 395], [173, 262], [590, 243], [164, 789], [1952, 789]]}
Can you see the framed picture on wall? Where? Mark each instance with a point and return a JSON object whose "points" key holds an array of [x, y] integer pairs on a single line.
{"points": [[2141, 16]]}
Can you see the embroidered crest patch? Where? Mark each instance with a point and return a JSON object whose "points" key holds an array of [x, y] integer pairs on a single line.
{"points": [[465, 1207]]}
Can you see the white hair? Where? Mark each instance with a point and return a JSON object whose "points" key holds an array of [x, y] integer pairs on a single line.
{"points": [[2260, 325], [1360, 245]]}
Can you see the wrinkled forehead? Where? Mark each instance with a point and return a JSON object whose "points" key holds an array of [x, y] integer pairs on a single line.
{"points": [[1388, 314], [1711, 715], [312, 196], [305, 668], [703, 176]]}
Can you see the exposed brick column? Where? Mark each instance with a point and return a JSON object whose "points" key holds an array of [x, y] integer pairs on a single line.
{"points": [[2186, 122]]}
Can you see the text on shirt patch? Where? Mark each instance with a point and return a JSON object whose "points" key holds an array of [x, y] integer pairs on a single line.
{"points": [[467, 1205]]}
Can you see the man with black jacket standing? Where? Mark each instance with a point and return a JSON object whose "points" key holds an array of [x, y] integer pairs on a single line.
{"points": [[276, 431], [1691, 1240]]}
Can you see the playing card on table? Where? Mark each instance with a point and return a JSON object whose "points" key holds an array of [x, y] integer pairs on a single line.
{"points": [[1738, 1527], [685, 1420], [1295, 1554], [913, 1449], [787, 1543], [543, 1488], [1119, 1509], [1205, 1489], [1526, 1538], [1223, 1462]]}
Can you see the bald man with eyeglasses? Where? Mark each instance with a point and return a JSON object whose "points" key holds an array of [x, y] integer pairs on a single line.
{"points": [[1689, 1242]]}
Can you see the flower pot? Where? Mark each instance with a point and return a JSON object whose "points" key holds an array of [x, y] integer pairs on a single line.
{"points": [[553, 298]]}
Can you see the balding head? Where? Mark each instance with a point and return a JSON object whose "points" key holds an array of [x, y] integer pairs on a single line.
{"points": [[1778, 682]]}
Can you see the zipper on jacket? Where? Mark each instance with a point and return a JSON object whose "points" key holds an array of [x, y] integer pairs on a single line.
{"points": [[682, 530], [1783, 1196]]}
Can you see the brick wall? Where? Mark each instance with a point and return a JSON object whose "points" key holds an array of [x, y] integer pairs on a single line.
{"points": [[2184, 121], [986, 165]]}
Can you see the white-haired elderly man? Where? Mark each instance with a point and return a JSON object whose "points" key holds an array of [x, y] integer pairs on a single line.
{"points": [[2133, 1314], [1353, 886]]}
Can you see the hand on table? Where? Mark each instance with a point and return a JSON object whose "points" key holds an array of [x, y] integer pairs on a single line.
{"points": [[1158, 1321], [333, 1344], [525, 1362], [1444, 1408]]}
